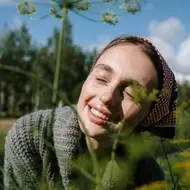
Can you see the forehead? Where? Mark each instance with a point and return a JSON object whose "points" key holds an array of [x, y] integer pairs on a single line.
{"points": [[127, 61]]}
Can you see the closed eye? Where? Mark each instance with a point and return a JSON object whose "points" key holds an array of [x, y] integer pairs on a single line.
{"points": [[102, 80]]}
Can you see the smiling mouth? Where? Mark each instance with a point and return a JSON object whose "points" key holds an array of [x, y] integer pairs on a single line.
{"points": [[100, 118], [97, 117], [99, 114]]}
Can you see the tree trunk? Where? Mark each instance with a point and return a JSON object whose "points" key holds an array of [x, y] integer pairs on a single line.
{"points": [[2, 96]]}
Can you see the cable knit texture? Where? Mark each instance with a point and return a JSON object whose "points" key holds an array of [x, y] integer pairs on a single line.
{"points": [[25, 150]]}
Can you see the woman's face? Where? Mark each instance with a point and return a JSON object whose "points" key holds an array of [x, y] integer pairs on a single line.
{"points": [[106, 97]]}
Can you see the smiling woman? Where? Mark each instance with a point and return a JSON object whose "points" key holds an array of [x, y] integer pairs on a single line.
{"points": [[106, 90], [106, 99]]}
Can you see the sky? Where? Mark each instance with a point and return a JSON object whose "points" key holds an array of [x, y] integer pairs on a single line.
{"points": [[165, 23]]}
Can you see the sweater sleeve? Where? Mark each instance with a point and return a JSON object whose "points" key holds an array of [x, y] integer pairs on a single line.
{"points": [[22, 161]]}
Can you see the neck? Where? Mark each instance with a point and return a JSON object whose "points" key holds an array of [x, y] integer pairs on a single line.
{"points": [[100, 147]]}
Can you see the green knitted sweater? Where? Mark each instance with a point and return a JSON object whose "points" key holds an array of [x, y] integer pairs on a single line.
{"points": [[25, 152]]}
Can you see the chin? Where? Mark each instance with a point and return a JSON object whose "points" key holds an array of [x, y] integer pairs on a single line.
{"points": [[94, 131]]}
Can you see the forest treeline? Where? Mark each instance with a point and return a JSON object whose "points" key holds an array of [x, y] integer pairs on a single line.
{"points": [[20, 93]]}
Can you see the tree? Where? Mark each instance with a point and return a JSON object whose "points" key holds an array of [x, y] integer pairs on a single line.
{"points": [[72, 71], [184, 91], [16, 51]]}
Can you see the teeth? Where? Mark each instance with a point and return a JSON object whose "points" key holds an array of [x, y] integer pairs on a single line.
{"points": [[99, 114]]}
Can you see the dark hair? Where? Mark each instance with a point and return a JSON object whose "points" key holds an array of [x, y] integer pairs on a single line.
{"points": [[145, 46]]}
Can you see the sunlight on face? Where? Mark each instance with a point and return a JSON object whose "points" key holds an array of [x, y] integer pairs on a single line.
{"points": [[106, 97]]}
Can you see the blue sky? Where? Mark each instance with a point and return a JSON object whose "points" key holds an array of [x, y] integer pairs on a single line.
{"points": [[166, 23]]}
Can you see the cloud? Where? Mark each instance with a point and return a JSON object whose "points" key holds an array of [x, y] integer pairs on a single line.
{"points": [[181, 78], [183, 56], [165, 35], [168, 30]]}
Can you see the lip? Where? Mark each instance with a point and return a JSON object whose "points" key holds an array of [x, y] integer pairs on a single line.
{"points": [[94, 119], [102, 109]]}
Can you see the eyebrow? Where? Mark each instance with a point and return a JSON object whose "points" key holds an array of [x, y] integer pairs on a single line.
{"points": [[127, 82], [105, 67]]}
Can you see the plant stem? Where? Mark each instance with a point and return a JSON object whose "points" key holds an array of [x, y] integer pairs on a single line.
{"points": [[93, 155], [54, 96], [116, 139], [115, 142], [84, 173], [169, 166]]}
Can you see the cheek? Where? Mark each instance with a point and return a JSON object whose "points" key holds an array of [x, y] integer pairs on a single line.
{"points": [[126, 107], [86, 93], [83, 95]]}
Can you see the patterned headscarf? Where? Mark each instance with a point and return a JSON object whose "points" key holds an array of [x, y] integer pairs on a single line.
{"points": [[161, 120]]}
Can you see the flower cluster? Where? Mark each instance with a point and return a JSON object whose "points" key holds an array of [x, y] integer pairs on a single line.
{"points": [[77, 6]]}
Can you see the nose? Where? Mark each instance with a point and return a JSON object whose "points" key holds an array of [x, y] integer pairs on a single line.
{"points": [[109, 97]]}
